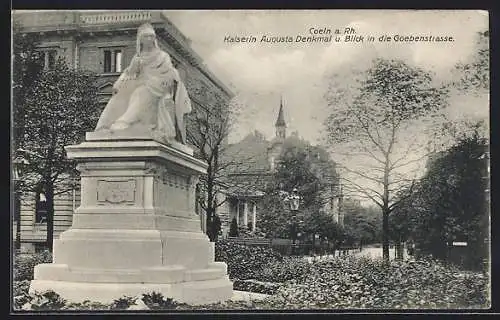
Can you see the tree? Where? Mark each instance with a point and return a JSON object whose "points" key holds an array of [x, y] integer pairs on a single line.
{"points": [[59, 107], [323, 225], [474, 74], [297, 168], [373, 121], [26, 68], [469, 83], [362, 224], [275, 217], [450, 203], [208, 127]]}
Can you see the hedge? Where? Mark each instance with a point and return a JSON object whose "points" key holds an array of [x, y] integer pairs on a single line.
{"points": [[24, 264]]}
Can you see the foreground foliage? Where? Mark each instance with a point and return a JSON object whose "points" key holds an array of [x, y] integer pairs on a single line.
{"points": [[293, 283], [354, 283], [245, 262], [25, 263]]}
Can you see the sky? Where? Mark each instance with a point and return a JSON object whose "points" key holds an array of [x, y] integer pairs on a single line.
{"points": [[261, 73]]}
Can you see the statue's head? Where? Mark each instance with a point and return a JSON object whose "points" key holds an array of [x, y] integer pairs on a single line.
{"points": [[146, 38]]}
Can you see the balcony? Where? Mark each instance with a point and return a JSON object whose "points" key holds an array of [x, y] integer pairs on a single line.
{"points": [[114, 17]]}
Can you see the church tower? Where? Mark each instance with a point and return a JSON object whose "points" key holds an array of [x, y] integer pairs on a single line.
{"points": [[280, 123]]}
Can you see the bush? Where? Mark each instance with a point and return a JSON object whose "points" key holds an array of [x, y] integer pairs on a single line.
{"points": [[256, 286], [247, 233], [233, 228], [287, 269], [244, 262], [86, 305], [123, 303], [156, 301], [24, 264], [50, 300], [20, 293], [371, 284]]}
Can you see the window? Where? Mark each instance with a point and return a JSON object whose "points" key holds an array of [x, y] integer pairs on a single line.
{"points": [[112, 61], [41, 208], [49, 58]]}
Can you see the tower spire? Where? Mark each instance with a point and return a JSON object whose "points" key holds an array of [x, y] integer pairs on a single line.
{"points": [[280, 122]]}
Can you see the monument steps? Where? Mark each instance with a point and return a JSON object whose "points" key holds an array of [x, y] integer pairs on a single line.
{"points": [[166, 274]]}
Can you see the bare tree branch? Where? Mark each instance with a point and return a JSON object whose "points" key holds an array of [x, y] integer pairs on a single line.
{"points": [[365, 190], [379, 180]]}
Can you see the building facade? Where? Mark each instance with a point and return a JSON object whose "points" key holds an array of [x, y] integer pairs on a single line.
{"points": [[104, 42]]}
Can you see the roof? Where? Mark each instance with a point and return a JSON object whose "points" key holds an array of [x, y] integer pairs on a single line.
{"points": [[248, 155], [243, 191]]}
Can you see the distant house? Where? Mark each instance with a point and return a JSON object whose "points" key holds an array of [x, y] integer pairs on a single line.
{"points": [[103, 42], [255, 160]]}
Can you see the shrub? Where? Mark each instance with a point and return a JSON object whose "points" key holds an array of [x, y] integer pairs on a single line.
{"points": [[48, 300], [123, 303], [247, 233], [244, 262], [156, 301], [20, 293], [256, 286], [233, 228], [24, 264], [371, 284], [86, 305], [287, 269]]}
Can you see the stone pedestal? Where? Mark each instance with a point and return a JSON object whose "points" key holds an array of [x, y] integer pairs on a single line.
{"points": [[136, 230]]}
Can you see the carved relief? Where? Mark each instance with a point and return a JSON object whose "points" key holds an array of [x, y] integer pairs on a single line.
{"points": [[152, 169], [177, 181], [83, 169], [116, 191], [172, 193]]}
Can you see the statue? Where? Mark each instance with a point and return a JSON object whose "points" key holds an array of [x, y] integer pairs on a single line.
{"points": [[149, 95]]}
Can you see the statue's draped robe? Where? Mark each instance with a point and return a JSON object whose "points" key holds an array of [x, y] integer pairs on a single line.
{"points": [[150, 96]]}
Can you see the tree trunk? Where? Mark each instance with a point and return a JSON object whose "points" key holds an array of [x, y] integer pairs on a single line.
{"points": [[385, 213], [385, 235], [210, 203], [49, 195], [210, 225]]}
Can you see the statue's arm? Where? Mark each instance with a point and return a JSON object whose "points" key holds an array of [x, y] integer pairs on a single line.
{"points": [[130, 72]]}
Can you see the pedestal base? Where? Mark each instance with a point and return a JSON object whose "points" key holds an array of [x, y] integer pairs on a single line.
{"points": [[136, 230], [192, 292]]}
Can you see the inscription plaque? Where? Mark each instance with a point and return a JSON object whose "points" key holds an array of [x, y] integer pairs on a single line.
{"points": [[116, 191]]}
